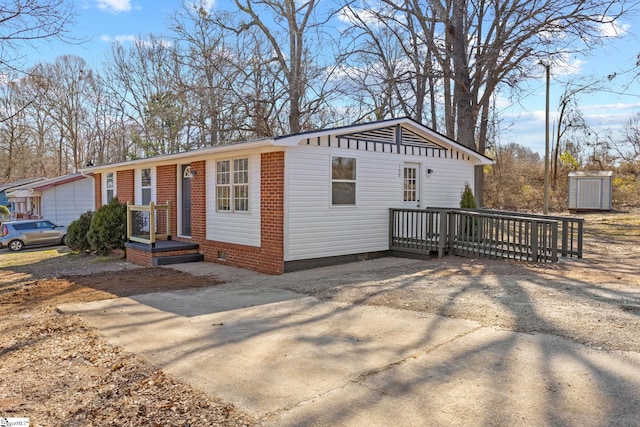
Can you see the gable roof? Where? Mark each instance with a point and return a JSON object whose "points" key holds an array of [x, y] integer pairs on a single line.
{"points": [[411, 132], [20, 182], [45, 184], [391, 131]]}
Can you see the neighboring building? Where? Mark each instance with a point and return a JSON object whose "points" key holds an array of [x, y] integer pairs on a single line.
{"points": [[590, 191], [62, 199], [4, 188], [280, 204]]}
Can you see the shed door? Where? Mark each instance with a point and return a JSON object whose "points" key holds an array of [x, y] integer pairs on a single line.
{"points": [[411, 185], [589, 193]]}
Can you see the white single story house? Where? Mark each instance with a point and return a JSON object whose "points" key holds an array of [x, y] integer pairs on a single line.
{"points": [[61, 200], [295, 201]]}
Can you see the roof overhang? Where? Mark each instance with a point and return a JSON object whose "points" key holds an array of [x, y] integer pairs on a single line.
{"points": [[186, 155]]}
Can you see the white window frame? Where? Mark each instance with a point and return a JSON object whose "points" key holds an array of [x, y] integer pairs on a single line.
{"points": [[353, 181], [106, 198], [232, 189], [148, 187]]}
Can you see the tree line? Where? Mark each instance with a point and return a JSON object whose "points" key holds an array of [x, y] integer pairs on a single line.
{"points": [[271, 67]]}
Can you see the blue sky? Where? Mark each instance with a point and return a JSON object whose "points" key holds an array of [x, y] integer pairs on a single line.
{"points": [[103, 21]]}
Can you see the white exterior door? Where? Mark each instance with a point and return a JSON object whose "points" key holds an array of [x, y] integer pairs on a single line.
{"points": [[411, 185]]}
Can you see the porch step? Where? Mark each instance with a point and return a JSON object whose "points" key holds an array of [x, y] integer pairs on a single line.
{"points": [[177, 259]]}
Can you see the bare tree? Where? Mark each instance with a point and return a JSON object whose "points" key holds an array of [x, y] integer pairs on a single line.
{"points": [[210, 72], [143, 78], [294, 33], [23, 22], [480, 45], [628, 147]]}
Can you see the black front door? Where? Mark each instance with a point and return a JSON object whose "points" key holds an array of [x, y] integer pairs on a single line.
{"points": [[186, 200]]}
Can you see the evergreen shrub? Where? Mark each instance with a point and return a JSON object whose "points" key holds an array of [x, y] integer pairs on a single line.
{"points": [[108, 230], [77, 233]]}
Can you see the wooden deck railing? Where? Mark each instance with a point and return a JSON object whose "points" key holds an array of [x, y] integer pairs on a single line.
{"points": [[484, 233], [148, 223]]}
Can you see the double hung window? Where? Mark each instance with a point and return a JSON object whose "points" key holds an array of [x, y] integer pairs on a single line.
{"points": [[110, 186], [343, 181], [232, 185]]}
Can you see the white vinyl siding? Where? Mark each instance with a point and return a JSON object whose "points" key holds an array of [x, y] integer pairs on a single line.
{"points": [[443, 187], [240, 227], [66, 202], [314, 228]]}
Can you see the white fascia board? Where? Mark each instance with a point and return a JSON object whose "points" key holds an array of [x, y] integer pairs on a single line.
{"points": [[296, 139], [172, 158]]}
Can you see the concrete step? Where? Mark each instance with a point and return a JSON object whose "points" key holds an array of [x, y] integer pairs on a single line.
{"points": [[177, 259]]}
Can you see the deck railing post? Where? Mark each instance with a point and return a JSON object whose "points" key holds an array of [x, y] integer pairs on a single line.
{"points": [[168, 220], [565, 238], [534, 240], [391, 226], [152, 223], [129, 221], [580, 230], [442, 232], [451, 220], [554, 242]]}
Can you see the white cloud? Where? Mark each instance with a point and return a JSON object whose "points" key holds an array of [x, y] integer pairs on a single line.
{"points": [[612, 29], [121, 38], [565, 65], [114, 6], [207, 5]]}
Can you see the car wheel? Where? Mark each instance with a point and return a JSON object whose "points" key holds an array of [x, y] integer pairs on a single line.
{"points": [[64, 240], [16, 245]]}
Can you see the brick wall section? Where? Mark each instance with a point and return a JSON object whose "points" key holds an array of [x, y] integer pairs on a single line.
{"points": [[199, 201], [145, 258], [272, 212], [137, 257], [269, 257], [97, 182], [125, 185], [167, 190]]}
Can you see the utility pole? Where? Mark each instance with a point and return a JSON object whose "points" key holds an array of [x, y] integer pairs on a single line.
{"points": [[546, 148]]}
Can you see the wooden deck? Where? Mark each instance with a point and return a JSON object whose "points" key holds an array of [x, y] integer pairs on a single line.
{"points": [[485, 233]]}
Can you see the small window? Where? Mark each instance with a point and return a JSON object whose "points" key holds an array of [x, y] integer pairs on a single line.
{"points": [[110, 186], [343, 181], [145, 185]]}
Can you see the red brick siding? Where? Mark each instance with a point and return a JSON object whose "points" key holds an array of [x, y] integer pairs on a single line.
{"points": [[97, 182], [144, 258], [167, 190], [199, 201], [138, 257], [125, 186], [272, 212]]}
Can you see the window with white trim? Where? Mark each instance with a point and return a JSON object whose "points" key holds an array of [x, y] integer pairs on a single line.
{"points": [[110, 186], [343, 181], [232, 185], [145, 185]]}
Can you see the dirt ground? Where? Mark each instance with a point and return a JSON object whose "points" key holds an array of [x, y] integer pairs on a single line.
{"points": [[57, 371]]}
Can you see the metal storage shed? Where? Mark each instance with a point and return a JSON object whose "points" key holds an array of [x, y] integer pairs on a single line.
{"points": [[590, 191]]}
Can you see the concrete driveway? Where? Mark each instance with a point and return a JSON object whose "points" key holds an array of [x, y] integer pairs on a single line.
{"points": [[291, 359]]}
